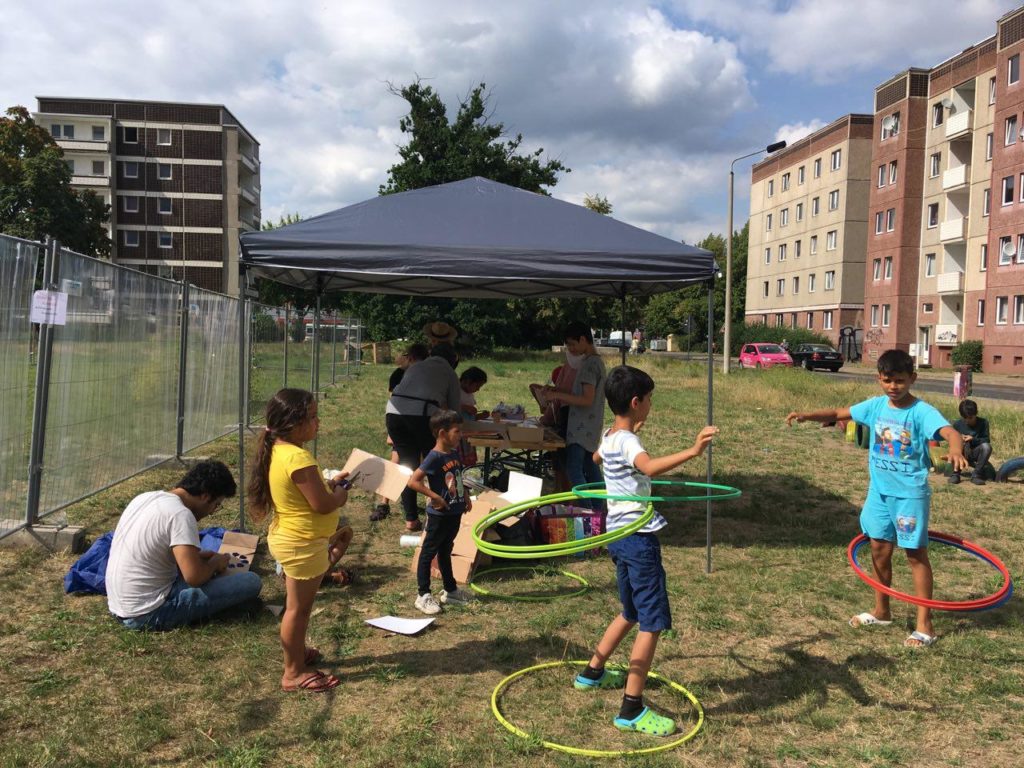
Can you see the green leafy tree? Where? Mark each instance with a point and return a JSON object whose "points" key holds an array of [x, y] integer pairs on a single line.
{"points": [[36, 197], [597, 204]]}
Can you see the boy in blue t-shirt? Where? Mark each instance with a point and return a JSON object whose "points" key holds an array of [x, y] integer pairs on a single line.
{"points": [[897, 504], [447, 500]]}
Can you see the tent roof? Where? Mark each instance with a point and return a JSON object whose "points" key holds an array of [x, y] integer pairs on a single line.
{"points": [[474, 238]]}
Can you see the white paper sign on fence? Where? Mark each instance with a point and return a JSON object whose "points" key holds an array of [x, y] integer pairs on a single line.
{"points": [[49, 308]]}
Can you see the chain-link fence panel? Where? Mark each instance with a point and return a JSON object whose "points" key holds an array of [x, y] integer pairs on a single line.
{"points": [[113, 379], [211, 367], [18, 263], [300, 351], [267, 361]]}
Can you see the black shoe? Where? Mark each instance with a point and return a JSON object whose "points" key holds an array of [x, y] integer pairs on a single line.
{"points": [[977, 480], [380, 512], [954, 478]]}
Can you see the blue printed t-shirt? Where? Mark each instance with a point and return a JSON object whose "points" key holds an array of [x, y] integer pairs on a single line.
{"points": [[898, 457], [444, 476]]}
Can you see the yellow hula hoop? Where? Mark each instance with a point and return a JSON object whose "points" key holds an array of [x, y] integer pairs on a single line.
{"points": [[596, 752]]}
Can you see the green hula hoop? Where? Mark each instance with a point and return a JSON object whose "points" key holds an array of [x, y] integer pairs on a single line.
{"points": [[534, 551], [529, 598], [597, 491], [597, 752]]}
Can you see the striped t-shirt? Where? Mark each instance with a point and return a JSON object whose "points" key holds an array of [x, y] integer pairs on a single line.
{"points": [[618, 452]]}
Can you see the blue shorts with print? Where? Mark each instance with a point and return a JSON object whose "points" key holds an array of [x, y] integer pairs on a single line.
{"points": [[893, 518], [641, 579]]}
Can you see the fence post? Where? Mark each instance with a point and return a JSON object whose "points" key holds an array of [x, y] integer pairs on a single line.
{"points": [[182, 368], [241, 396], [248, 313], [287, 332], [44, 359], [314, 369], [334, 350]]}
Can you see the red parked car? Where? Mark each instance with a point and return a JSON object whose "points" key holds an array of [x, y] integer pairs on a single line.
{"points": [[762, 355]]}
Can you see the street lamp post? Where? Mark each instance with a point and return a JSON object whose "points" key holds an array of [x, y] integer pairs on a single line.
{"points": [[727, 341]]}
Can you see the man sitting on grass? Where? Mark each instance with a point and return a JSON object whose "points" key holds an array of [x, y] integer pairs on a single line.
{"points": [[157, 576]]}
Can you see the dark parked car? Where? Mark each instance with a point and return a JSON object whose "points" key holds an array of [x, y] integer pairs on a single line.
{"points": [[812, 356]]}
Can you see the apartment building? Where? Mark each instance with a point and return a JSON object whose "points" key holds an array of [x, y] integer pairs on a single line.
{"points": [[808, 230], [182, 181]]}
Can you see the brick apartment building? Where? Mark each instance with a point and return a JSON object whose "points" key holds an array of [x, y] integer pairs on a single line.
{"points": [[182, 181], [808, 227]]}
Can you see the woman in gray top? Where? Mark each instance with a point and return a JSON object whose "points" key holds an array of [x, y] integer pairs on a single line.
{"points": [[427, 386]]}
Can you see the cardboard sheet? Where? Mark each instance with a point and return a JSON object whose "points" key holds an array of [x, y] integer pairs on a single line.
{"points": [[377, 475], [242, 548], [400, 626]]}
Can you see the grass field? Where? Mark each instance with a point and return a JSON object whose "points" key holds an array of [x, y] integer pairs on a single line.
{"points": [[762, 641]]}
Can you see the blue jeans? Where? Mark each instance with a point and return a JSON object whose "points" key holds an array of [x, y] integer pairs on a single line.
{"points": [[580, 467], [187, 605]]}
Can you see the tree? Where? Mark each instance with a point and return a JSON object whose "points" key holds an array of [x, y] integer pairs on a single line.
{"points": [[36, 198], [439, 152], [597, 204]]}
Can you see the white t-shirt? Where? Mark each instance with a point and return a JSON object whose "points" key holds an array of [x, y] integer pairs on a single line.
{"points": [[141, 568], [618, 453]]}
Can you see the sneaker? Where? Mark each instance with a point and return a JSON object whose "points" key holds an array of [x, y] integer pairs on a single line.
{"points": [[954, 478], [976, 480], [380, 512], [649, 722], [610, 678], [456, 596], [427, 604]]}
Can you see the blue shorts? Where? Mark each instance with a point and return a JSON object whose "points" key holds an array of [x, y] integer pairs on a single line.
{"points": [[641, 579], [892, 518]]}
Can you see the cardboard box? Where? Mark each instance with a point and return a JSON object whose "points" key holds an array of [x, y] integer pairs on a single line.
{"points": [[526, 434], [242, 548]]}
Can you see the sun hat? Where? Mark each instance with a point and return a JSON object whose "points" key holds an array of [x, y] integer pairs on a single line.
{"points": [[439, 332]]}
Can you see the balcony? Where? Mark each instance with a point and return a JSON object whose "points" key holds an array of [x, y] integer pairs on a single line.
{"points": [[81, 145], [90, 181], [959, 123], [248, 162], [947, 335], [952, 230], [950, 282], [956, 178], [248, 195]]}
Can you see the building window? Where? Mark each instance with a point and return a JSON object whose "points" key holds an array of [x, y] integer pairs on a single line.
{"points": [[1007, 190], [937, 113], [778, 320], [55, 130], [784, 217], [796, 286], [831, 240], [771, 187], [876, 269], [988, 147], [991, 90], [817, 168], [131, 238], [785, 182], [892, 171], [879, 223], [881, 176], [890, 125], [888, 268], [799, 211], [70, 163], [1020, 249], [1005, 251], [764, 289], [782, 251], [165, 205], [131, 135], [826, 318], [163, 137], [99, 168], [981, 311], [69, 131], [890, 220], [130, 204], [792, 320], [1002, 303], [984, 258], [130, 170], [837, 160], [780, 287], [768, 255], [933, 215], [1013, 69], [933, 168], [1018, 310], [986, 202], [929, 265], [1010, 136], [815, 206], [830, 280], [874, 315], [768, 222], [927, 307], [163, 171], [814, 244], [164, 239], [810, 320], [833, 199], [800, 175], [796, 249], [885, 315], [99, 133], [811, 280]]}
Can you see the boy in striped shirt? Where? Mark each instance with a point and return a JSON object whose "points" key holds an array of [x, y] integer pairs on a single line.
{"points": [[628, 470]]}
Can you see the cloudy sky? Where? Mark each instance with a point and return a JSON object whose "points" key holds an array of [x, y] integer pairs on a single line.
{"points": [[646, 102]]}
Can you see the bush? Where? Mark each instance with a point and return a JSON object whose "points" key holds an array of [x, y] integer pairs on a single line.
{"points": [[968, 353], [266, 329], [748, 334]]}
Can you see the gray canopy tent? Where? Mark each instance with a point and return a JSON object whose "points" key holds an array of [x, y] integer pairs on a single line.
{"points": [[475, 238]]}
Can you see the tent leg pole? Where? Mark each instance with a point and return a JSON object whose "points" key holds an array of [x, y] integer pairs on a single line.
{"points": [[622, 320], [711, 400]]}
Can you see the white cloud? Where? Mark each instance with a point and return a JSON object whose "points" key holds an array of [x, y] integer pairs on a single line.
{"points": [[792, 133]]}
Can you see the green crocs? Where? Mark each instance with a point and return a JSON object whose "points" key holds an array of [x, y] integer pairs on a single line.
{"points": [[611, 678], [648, 722]]}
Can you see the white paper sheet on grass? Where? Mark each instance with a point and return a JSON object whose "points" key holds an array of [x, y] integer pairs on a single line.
{"points": [[400, 626]]}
